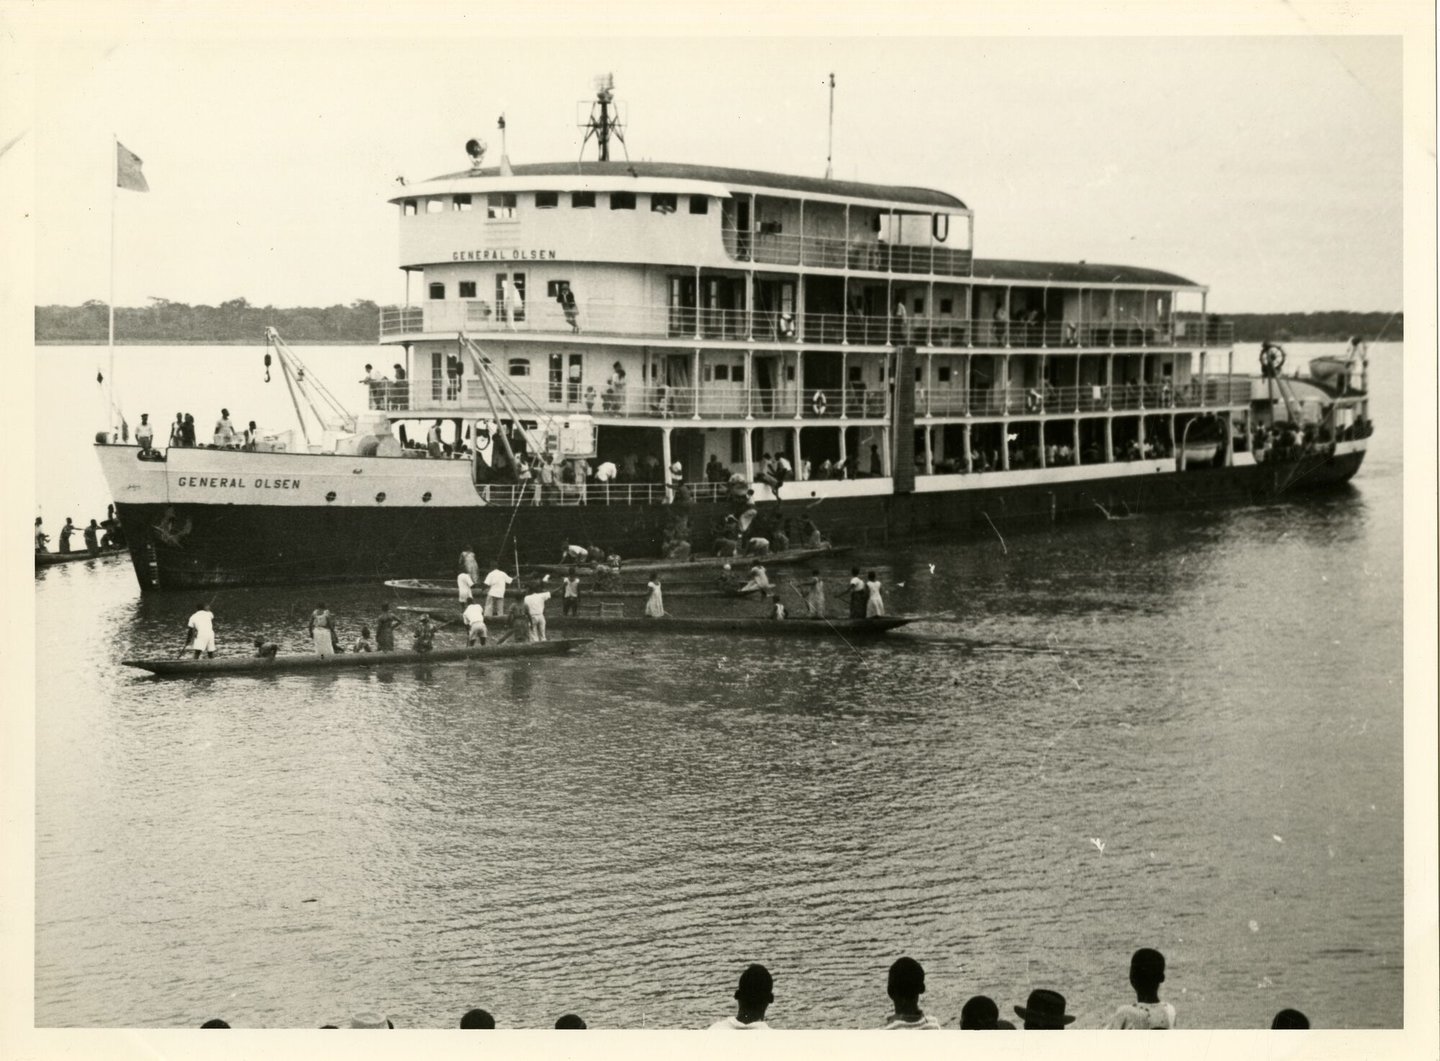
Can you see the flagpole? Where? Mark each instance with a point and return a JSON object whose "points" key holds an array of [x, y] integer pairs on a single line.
{"points": [[114, 194]]}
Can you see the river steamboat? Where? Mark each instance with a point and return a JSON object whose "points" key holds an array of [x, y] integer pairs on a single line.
{"points": [[622, 353]]}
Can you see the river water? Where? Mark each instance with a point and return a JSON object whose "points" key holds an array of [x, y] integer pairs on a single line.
{"points": [[1214, 698]]}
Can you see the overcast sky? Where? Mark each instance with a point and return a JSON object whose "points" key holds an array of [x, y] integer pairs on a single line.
{"points": [[1267, 167]]}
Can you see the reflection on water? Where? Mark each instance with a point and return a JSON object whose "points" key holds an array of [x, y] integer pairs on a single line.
{"points": [[1215, 696]]}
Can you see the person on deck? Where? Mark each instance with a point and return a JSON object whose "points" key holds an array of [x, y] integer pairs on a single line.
{"points": [[177, 430], [144, 433], [385, 625], [224, 436], [655, 603], [856, 590], [200, 632], [322, 631], [65, 533], [874, 605], [474, 618], [495, 583], [187, 434]]}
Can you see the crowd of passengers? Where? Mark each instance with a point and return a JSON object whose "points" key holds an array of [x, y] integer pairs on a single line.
{"points": [[1045, 1009]]}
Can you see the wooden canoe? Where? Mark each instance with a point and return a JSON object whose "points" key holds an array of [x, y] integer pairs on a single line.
{"points": [[51, 559], [195, 668], [425, 587], [800, 626]]}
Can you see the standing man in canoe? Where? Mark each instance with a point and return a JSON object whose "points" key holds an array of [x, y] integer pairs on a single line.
{"points": [[535, 605], [65, 533], [322, 631], [200, 631], [468, 564], [856, 589], [40, 536], [655, 603], [874, 605], [570, 598], [474, 619], [92, 538], [814, 596], [385, 625], [464, 584], [495, 583]]}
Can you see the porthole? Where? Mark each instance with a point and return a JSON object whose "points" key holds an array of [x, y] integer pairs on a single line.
{"points": [[425, 497], [380, 496], [330, 496]]}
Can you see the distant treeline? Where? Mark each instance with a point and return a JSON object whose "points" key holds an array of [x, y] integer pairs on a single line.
{"points": [[236, 321], [1329, 326]]}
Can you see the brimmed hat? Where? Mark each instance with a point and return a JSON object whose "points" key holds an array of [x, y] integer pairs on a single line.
{"points": [[1046, 1008]]}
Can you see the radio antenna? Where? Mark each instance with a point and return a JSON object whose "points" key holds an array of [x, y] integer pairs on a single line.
{"points": [[830, 142], [605, 119]]}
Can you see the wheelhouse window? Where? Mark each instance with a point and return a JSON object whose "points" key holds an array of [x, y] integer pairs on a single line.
{"points": [[434, 206], [547, 200], [463, 203], [943, 373], [737, 373], [467, 288], [519, 366], [410, 207], [556, 288], [500, 206], [947, 305], [699, 204], [663, 203], [437, 291], [582, 200], [622, 200]]}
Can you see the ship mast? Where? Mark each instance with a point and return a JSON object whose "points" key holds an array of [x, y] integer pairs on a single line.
{"points": [[605, 120]]}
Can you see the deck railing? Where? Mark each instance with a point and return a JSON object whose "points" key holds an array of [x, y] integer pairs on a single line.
{"points": [[609, 319], [829, 252]]}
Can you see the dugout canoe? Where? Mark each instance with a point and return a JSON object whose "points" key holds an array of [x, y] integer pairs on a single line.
{"points": [[51, 559], [428, 587], [696, 563], [802, 626], [194, 668]]}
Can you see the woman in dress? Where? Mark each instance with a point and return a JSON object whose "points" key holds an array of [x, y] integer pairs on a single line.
{"points": [[654, 604], [322, 630], [873, 604], [815, 596]]}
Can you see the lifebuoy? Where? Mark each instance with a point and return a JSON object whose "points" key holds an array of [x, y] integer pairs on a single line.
{"points": [[818, 403], [1272, 359], [787, 325], [482, 440]]}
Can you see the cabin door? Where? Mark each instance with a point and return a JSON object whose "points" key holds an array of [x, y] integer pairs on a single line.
{"points": [[767, 384], [682, 305]]}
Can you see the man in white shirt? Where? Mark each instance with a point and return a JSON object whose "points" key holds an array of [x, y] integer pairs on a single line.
{"points": [[463, 585], [200, 632], [752, 997], [535, 605], [495, 583], [144, 433], [474, 616]]}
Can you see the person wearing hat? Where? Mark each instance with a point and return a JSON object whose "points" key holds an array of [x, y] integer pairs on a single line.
{"points": [[752, 997], [1148, 1013], [905, 985], [1044, 1010]]}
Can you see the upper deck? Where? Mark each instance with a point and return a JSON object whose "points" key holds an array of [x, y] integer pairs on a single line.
{"points": [[655, 213]]}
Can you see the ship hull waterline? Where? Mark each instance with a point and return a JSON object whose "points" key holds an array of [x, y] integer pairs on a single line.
{"points": [[211, 545]]}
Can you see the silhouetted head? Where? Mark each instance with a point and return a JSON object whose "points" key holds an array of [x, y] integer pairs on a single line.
{"points": [[1291, 1019], [570, 1022], [906, 980], [477, 1018], [871, 576], [1147, 969], [756, 990], [979, 1014], [216, 1023]]}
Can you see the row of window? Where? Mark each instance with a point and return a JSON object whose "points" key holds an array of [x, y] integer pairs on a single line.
{"points": [[501, 206]]}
